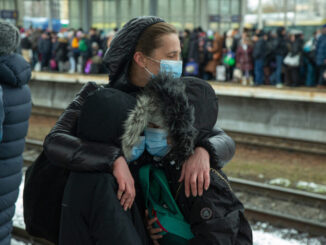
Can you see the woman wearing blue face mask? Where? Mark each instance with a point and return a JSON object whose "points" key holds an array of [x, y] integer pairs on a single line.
{"points": [[141, 49]]}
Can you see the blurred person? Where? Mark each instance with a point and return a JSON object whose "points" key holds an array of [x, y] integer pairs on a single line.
{"points": [[15, 74], [270, 58], [236, 39], [293, 61], [309, 60], [321, 57], [73, 50], [35, 37], [61, 53], [185, 46], [45, 48], [198, 50], [26, 46], [94, 64], [94, 36], [85, 50], [280, 51], [109, 38], [55, 43], [229, 45], [259, 54], [216, 50], [244, 60]]}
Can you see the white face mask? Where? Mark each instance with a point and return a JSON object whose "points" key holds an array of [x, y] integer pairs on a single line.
{"points": [[174, 67]]}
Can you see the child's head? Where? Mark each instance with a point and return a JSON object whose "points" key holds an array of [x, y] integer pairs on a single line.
{"points": [[103, 114]]}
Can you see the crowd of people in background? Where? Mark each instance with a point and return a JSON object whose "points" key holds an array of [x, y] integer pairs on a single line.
{"points": [[254, 57], [73, 51]]}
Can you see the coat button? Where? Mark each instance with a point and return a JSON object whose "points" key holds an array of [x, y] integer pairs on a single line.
{"points": [[172, 162]]}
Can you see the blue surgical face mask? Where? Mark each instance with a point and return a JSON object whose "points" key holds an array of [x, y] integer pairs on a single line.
{"points": [[156, 142], [173, 67], [137, 150]]}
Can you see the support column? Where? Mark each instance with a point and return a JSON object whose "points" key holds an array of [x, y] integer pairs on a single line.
{"points": [[118, 12], [203, 14], [142, 8], [153, 7], [243, 11], [184, 6], [129, 9], [219, 7], [51, 9], [260, 13], [86, 14], [295, 13], [285, 13], [169, 11], [195, 13]]}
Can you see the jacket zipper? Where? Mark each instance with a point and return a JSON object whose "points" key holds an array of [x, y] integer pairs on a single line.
{"points": [[222, 178], [214, 171]]}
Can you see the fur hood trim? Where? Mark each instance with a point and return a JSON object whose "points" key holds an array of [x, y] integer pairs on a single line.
{"points": [[163, 102]]}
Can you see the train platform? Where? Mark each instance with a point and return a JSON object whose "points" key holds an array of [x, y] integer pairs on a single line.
{"points": [[221, 88], [291, 113]]}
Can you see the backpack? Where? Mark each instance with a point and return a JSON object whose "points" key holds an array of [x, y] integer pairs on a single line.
{"points": [[83, 45], [42, 197], [161, 204], [75, 43]]}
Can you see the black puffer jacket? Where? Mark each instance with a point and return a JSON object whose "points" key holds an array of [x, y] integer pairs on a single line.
{"points": [[281, 47], [217, 217]]}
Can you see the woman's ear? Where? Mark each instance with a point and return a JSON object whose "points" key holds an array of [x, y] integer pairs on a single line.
{"points": [[139, 59]]}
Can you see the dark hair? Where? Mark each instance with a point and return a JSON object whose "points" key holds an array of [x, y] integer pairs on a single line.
{"points": [[150, 39]]}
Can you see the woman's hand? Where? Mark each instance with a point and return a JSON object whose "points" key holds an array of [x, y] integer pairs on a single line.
{"points": [[153, 231], [195, 172], [126, 192]]}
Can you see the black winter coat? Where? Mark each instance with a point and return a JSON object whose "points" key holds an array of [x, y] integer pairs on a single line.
{"points": [[260, 49], [45, 46], [61, 52], [281, 47]]}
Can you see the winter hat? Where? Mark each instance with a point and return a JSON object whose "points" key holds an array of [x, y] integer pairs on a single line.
{"points": [[163, 102], [118, 57], [9, 38], [102, 115]]}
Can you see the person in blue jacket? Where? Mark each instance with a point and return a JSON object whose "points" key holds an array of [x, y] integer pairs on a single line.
{"points": [[15, 108]]}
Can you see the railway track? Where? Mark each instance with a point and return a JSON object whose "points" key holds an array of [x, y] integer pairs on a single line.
{"points": [[279, 219], [291, 195], [46, 111], [278, 143]]}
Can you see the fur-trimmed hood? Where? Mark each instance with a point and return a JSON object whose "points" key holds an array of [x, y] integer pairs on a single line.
{"points": [[163, 102]]}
